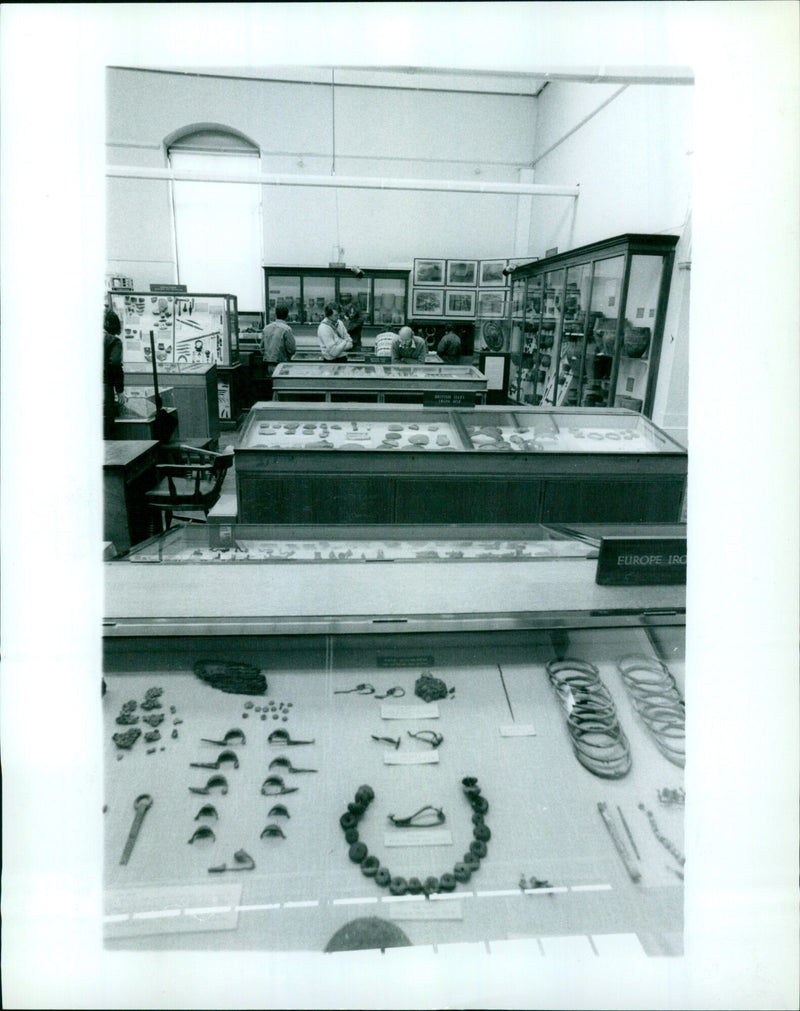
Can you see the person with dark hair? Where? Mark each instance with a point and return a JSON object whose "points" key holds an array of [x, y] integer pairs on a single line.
{"points": [[354, 322], [334, 340], [449, 349], [113, 374], [277, 340]]}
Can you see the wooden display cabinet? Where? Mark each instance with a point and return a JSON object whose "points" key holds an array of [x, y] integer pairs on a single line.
{"points": [[586, 326], [381, 295]]}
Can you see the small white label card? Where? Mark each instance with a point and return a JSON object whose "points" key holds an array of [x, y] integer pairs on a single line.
{"points": [[410, 758], [426, 910], [518, 730], [418, 837], [428, 711]]}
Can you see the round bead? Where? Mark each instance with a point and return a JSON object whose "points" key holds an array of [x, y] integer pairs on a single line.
{"points": [[471, 860], [351, 836], [358, 852], [447, 882], [431, 885], [482, 833], [414, 886], [461, 872], [383, 877], [369, 866], [356, 809], [478, 847], [480, 805], [348, 821], [398, 886], [477, 819], [365, 794]]}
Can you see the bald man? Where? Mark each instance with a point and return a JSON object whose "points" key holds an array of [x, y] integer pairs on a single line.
{"points": [[409, 349]]}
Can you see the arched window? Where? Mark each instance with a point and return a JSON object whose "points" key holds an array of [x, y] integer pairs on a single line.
{"points": [[217, 226]]}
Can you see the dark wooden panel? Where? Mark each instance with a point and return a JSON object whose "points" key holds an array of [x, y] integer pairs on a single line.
{"points": [[466, 500], [630, 500], [264, 498]]}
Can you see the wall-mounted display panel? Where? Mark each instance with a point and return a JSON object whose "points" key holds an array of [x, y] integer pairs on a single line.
{"points": [[459, 303], [492, 273], [462, 272], [428, 272], [188, 329]]}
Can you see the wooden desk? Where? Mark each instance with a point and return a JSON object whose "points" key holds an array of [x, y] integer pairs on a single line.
{"points": [[128, 470]]}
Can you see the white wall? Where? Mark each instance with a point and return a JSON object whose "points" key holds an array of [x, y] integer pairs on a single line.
{"points": [[377, 132], [632, 161]]}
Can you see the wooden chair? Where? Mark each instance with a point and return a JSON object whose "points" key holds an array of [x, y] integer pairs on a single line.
{"points": [[192, 481]]}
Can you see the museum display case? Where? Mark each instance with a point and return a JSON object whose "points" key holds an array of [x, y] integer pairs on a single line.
{"points": [[319, 463], [419, 748], [586, 325], [188, 328], [191, 389], [381, 296], [381, 383]]}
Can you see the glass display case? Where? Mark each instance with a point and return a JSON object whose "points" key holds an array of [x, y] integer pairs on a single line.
{"points": [[331, 381], [587, 325], [250, 326], [416, 749], [192, 390], [189, 329], [381, 295], [336, 462]]}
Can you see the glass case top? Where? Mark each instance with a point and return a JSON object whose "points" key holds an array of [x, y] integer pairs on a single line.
{"points": [[341, 370], [610, 432], [358, 431], [271, 425], [171, 368], [533, 542]]}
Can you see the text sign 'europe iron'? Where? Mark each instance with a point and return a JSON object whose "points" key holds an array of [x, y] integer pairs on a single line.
{"points": [[641, 561]]}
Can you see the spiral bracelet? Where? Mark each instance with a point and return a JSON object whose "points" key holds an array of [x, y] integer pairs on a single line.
{"points": [[371, 867], [656, 698], [598, 740]]}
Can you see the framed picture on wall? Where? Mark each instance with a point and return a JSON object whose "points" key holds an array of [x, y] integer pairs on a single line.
{"points": [[427, 302], [460, 303], [428, 272], [491, 273], [462, 272], [491, 303]]}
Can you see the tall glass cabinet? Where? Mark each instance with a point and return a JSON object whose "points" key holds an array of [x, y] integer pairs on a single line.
{"points": [[586, 325]]}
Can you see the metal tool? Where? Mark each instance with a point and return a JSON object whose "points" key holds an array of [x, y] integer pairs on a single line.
{"points": [[619, 845], [141, 805], [286, 764]]}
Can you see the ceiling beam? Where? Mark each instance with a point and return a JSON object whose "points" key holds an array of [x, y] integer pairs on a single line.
{"points": [[344, 182]]}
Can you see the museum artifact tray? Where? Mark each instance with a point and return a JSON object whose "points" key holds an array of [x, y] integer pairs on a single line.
{"points": [[381, 463]]}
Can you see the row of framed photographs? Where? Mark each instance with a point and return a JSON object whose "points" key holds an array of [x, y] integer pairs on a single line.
{"points": [[460, 273], [489, 302]]}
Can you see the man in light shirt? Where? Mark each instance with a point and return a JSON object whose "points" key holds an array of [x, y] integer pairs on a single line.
{"points": [[334, 339]]}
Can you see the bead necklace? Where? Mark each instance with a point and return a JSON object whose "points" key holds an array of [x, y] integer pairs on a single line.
{"points": [[669, 846], [371, 867]]}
